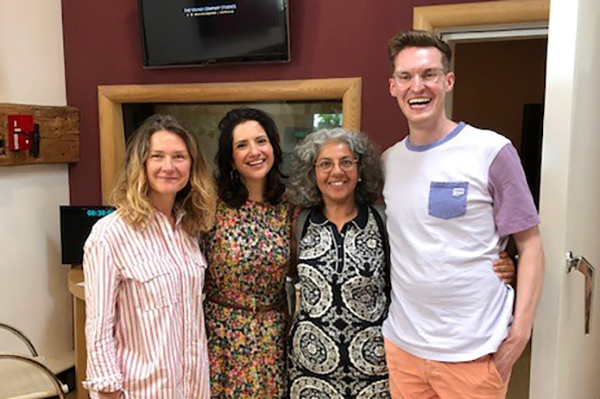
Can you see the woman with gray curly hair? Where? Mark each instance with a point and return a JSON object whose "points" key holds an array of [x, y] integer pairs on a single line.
{"points": [[336, 342], [303, 189]]}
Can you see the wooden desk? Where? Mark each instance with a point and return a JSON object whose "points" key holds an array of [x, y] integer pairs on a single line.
{"points": [[75, 277]]}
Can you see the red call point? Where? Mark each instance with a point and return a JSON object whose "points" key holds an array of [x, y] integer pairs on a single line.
{"points": [[20, 128]]}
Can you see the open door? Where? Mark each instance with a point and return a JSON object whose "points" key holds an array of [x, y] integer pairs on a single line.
{"points": [[565, 360]]}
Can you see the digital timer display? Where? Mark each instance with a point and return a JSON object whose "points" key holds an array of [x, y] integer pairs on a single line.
{"points": [[76, 223], [99, 213]]}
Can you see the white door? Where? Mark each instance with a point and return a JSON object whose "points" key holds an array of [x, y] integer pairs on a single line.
{"points": [[566, 362]]}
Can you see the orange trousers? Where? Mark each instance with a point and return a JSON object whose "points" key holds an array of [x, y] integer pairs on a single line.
{"points": [[412, 377]]}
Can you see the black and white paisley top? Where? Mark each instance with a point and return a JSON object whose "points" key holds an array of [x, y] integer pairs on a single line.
{"points": [[336, 347]]}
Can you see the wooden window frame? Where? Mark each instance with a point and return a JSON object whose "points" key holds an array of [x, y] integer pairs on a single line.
{"points": [[111, 99]]}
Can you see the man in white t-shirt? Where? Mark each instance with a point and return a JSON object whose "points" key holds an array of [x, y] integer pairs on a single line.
{"points": [[453, 194]]}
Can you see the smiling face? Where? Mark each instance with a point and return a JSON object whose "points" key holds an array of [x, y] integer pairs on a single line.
{"points": [[336, 185], [421, 100], [167, 167], [252, 151]]}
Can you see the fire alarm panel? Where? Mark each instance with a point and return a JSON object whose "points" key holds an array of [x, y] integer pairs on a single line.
{"points": [[20, 128]]}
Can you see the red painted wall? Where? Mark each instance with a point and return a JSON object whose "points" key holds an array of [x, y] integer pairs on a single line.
{"points": [[329, 39]]}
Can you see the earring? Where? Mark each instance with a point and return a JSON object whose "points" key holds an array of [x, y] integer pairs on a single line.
{"points": [[234, 174], [359, 179]]}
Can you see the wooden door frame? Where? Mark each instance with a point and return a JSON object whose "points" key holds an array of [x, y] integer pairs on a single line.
{"points": [[503, 12]]}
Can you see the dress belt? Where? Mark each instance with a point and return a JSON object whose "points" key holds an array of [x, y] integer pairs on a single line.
{"points": [[278, 304]]}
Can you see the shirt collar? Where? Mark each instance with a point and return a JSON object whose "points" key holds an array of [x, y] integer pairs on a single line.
{"points": [[425, 147], [178, 211], [318, 216]]}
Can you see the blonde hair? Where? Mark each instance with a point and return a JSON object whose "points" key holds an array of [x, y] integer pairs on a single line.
{"points": [[197, 199]]}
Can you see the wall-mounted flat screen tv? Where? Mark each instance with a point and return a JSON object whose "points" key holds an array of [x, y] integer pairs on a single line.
{"points": [[204, 32]]}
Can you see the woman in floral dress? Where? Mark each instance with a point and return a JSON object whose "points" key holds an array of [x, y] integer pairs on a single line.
{"points": [[248, 252]]}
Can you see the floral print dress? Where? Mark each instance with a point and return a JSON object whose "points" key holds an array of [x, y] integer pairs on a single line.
{"points": [[336, 347], [248, 253]]}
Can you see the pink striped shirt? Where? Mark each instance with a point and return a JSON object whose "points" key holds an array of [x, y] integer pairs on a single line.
{"points": [[145, 321]]}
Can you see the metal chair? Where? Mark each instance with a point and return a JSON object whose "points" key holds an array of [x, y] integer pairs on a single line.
{"points": [[23, 377]]}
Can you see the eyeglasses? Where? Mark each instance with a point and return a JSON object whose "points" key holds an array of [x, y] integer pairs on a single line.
{"points": [[345, 164], [431, 75]]}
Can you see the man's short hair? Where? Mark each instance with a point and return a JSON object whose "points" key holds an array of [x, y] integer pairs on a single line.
{"points": [[418, 38]]}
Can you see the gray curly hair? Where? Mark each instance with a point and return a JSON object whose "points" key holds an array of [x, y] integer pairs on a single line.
{"points": [[302, 188]]}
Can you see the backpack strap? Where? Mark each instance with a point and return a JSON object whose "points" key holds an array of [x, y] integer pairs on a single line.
{"points": [[298, 229], [380, 217], [380, 209], [291, 282], [299, 225]]}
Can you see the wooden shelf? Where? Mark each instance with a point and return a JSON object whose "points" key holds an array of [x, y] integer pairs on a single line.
{"points": [[59, 134]]}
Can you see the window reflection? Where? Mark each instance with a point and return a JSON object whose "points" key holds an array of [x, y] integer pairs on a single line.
{"points": [[295, 120]]}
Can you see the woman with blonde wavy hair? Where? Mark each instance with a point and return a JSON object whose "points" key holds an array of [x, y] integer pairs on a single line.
{"points": [[144, 272]]}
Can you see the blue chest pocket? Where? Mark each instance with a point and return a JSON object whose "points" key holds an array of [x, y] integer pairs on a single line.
{"points": [[448, 200]]}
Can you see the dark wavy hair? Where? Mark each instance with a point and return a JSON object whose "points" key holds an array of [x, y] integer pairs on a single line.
{"points": [[231, 190]]}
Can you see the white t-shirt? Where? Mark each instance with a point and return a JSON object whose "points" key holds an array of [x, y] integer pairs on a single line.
{"points": [[450, 206]]}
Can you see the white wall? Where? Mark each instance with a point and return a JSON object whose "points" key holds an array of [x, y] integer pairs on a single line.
{"points": [[33, 284]]}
